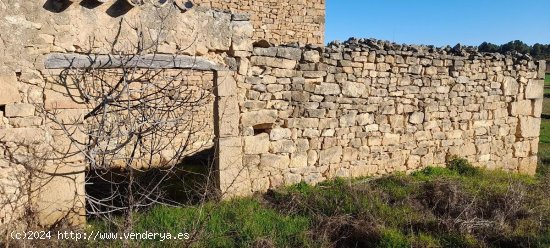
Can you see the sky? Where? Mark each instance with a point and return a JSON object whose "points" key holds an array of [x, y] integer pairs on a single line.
{"points": [[440, 22]]}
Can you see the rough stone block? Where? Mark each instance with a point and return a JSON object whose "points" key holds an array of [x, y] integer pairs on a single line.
{"points": [[256, 144], [303, 123], [226, 84], [60, 197], [258, 117], [231, 154], [528, 165], [273, 162], [529, 127], [298, 160], [510, 87], [59, 100], [283, 146], [521, 149], [537, 107], [327, 89], [9, 92], [364, 119], [311, 133], [328, 123], [417, 118], [390, 139], [260, 185], [311, 56], [372, 128], [22, 135], [454, 134], [534, 89], [331, 155], [523, 107], [242, 34], [468, 149], [228, 116], [363, 170], [269, 52], [348, 120], [541, 69], [302, 145], [350, 154], [251, 160], [291, 179], [273, 62], [279, 134], [19, 110], [218, 35], [29, 121], [289, 53], [352, 89]]}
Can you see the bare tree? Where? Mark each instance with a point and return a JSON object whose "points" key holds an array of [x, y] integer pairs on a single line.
{"points": [[140, 116]]}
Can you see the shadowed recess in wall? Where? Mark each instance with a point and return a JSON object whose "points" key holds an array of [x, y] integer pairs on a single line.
{"points": [[187, 183], [120, 7], [90, 4], [57, 6]]}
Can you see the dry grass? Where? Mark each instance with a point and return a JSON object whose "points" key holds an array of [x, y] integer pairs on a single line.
{"points": [[437, 207]]}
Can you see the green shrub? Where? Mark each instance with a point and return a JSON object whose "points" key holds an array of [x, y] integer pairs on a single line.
{"points": [[392, 238], [462, 166], [430, 173], [426, 241]]}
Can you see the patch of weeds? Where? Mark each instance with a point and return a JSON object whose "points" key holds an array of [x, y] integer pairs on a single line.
{"points": [[458, 206], [236, 223], [425, 240], [398, 187], [393, 238], [459, 240], [462, 166]]}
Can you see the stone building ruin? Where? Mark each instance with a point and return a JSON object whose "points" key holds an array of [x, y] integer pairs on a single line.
{"points": [[285, 108]]}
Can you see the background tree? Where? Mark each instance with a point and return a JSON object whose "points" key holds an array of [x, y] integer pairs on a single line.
{"points": [[538, 51]]}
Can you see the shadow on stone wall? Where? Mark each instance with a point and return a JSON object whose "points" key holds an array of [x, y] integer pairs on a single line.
{"points": [[117, 9], [57, 6]]}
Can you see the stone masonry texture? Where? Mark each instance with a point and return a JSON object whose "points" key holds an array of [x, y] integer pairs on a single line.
{"points": [[368, 107], [282, 21]]}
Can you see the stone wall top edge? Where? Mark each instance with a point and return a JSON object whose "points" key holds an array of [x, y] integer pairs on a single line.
{"points": [[422, 51]]}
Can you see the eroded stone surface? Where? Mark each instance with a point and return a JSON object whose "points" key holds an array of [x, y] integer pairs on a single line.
{"points": [[9, 92]]}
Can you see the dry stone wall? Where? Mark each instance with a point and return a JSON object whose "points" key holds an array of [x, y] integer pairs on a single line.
{"points": [[281, 115], [367, 108], [280, 22]]}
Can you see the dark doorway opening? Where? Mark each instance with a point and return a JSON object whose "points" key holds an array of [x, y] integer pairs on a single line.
{"points": [[190, 182]]}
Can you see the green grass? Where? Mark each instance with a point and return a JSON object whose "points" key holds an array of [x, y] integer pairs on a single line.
{"points": [[437, 207], [544, 146], [546, 106], [547, 83], [236, 223], [545, 132]]}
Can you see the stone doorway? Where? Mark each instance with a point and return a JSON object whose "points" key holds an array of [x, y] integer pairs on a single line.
{"points": [[220, 118]]}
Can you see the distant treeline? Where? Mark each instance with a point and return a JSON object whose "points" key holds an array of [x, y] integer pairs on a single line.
{"points": [[538, 51]]}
